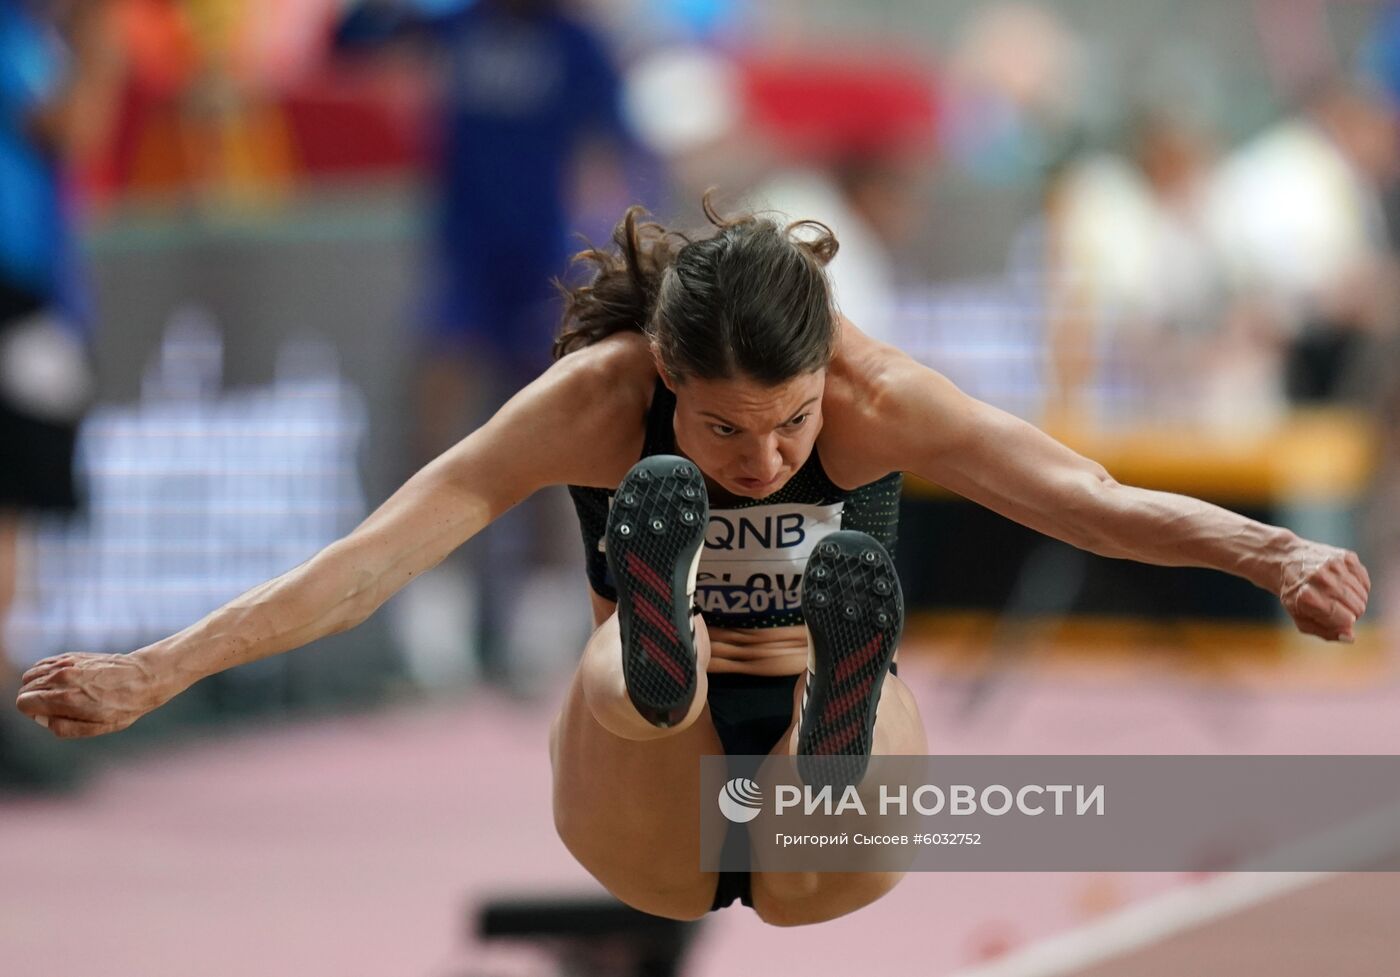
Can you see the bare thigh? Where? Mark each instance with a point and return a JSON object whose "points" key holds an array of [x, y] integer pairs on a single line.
{"points": [[629, 809], [798, 898]]}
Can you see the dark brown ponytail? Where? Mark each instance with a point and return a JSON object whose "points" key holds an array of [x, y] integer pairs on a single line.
{"points": [[752, 299], [622, 293]]}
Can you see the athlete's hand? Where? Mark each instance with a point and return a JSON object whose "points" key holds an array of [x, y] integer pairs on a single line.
{"points": [[88, 695], [1324, 589]]}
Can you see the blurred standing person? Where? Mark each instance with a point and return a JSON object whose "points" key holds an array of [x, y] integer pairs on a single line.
{"points": [[876, 203], [1142, 326], [1382, 514], [1014, 93], [528, 110], [55, 98], [1210, 360], [1300, 212], [853, 145], [1380, 525]]}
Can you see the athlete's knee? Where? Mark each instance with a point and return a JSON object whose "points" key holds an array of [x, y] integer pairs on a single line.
{"points": [[787, 912], [784, 913], [899, 727], [686, 903], [786, 898], [788, 887], [804, 898], [608, 632], [656, 890]]}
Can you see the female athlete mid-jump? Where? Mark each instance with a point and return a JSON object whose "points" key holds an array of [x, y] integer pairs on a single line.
{"points": [[772, 435]]}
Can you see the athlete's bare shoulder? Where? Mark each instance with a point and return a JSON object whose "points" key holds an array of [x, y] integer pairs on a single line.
{"points": [[604, 391], [858, 382]]}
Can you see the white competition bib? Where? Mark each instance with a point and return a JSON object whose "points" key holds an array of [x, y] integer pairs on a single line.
{"points": [[753, 559]]}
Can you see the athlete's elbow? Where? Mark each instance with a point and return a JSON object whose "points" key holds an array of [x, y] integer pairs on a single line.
{"points": [[367, 594], [350, 615], [1097, 478], [337, 590], [1094, 508]]}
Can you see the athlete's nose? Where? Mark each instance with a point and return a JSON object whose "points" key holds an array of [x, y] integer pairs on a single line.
{"points": [[767, 461]]}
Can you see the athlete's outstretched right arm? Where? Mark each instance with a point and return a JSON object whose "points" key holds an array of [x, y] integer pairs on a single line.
{"points": [[539, 438]]}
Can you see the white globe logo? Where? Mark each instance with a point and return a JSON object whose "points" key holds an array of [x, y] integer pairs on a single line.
{"points": [[740, 800]]}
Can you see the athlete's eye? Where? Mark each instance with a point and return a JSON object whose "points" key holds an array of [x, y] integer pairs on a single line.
{"points": [[723, 430], [799, 420]]}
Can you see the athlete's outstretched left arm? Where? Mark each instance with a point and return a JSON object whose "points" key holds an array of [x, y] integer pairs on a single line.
{"points": [[936, 431]]}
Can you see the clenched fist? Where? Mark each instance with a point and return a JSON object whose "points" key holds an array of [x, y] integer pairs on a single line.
{"points": [[88, 695], [1324, 589]]}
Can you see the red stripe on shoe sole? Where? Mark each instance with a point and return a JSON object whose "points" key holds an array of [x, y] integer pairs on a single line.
{"points": [[850, 666], [664, 661], [653, 616], [639, 569], [838, 707], [834, 741]]}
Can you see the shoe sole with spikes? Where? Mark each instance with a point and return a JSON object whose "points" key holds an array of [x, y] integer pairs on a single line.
{"points": [[655, 535], [854, 610]]}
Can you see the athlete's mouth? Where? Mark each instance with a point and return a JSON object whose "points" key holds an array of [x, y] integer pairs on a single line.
{"points": [[755, 484]]}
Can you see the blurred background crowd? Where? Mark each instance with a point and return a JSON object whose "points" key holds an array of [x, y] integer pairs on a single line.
{"points": [[261, 259]]}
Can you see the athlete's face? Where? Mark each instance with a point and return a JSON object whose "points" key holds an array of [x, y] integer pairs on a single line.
{"points": [[749, 438]]}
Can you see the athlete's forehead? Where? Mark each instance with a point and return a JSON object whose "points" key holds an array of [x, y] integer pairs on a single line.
{"points": [[748, 403]]}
